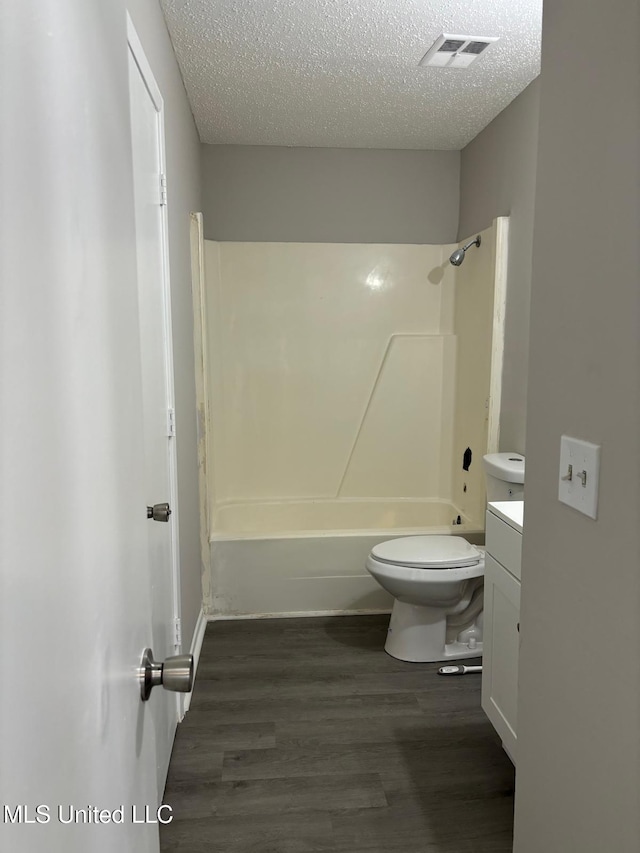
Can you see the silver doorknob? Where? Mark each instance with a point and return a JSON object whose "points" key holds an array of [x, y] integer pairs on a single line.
{"points": [[175, 674], [159, 512]]}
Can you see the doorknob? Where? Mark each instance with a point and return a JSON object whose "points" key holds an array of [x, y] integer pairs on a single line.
{"points": [[159, 512], [175, 674]]}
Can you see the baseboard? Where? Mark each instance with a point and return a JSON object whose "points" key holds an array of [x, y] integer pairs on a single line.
{"points": [[297, 614], [196, 648]]}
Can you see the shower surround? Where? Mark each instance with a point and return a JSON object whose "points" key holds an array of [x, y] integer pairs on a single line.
{"points": [[345, 384]]}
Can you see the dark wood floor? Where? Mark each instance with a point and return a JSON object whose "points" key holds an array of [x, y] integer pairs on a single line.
{"points": [[305, 737]]}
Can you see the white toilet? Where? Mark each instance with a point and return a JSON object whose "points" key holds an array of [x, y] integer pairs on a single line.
{"points": [[437, 581]]}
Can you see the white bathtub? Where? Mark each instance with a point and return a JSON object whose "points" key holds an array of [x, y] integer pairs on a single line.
{"points": [[308, 557]]}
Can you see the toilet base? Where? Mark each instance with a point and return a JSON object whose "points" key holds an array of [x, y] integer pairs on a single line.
{"points": [[418, 634]]}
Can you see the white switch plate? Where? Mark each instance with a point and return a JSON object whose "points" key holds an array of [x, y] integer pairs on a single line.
{"points": [[584, 459]]}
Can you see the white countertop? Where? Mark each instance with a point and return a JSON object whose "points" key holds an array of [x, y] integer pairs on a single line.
{"points": [[510, 511]]}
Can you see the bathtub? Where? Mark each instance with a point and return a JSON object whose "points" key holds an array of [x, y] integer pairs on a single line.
{"points": [[308, 557]]}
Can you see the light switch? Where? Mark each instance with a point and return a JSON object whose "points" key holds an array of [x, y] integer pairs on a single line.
{"points": [[579, 475]]}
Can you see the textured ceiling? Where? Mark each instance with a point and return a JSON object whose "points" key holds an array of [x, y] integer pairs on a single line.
{"points": [[344, 73]]}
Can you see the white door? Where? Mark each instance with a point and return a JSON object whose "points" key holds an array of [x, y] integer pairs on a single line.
{"points": [[75, 582], [147, 135]]}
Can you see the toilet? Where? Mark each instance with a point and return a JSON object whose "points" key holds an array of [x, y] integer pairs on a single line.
{"points": [[437, 581]]}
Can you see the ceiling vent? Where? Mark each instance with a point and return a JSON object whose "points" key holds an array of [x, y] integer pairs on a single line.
{"points": [[456, 51]]}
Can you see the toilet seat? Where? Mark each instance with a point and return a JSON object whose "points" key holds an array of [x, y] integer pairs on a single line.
{"points": [[410, 574], [429, 552]]}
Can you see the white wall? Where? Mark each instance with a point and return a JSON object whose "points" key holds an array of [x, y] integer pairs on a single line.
{"points": [[578, 776], [330, 195]]}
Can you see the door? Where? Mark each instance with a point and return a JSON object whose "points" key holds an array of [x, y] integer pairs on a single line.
{"points": [[147, 137], [75, 608]]}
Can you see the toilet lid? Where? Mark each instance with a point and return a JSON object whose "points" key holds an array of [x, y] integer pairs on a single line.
{"points": [[427, 552]]}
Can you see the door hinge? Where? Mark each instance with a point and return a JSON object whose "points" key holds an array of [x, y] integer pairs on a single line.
{"points": [[177, 632], [171, 422], [163, 188]]}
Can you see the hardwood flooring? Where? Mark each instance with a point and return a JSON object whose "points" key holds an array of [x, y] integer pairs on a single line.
{"points": [[305, 737]]}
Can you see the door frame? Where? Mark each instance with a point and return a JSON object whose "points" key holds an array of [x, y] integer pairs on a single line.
{"points": [[201, 349], [137, 52]]}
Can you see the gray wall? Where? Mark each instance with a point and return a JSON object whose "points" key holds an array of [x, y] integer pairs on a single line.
{"points": [[330, 195], [184, 185], [579, 711], [497, 178]]}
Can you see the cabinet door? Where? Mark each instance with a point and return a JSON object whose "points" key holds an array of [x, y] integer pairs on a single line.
{"points": [[500, 653]]}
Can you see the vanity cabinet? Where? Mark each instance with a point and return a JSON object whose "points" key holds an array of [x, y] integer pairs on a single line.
{"points": [[501, 632]]}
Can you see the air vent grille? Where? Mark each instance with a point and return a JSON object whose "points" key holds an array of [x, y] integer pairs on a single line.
{"points": [[450, 46], [451, 51], [475, 47]]}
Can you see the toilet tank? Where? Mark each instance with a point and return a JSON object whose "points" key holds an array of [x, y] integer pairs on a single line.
{"points": [[504, 473]]}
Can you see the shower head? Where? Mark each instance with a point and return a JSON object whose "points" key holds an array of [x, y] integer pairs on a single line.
{"points": [[458, 256]]}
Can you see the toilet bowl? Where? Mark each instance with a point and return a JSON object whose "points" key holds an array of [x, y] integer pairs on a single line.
{"points": [[437, 582]]}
